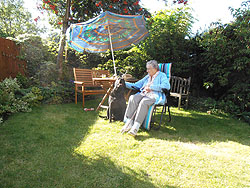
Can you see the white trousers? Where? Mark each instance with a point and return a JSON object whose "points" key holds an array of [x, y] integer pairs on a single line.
{"points": [[140, 104]]}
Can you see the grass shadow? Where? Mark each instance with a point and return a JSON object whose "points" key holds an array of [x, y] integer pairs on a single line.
{"points": [[37, 150]]}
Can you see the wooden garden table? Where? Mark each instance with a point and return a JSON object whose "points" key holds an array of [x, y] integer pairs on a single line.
{"points": [[104, 81]]}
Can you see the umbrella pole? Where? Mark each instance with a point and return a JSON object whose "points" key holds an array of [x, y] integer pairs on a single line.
{"points": [[111, 46]]}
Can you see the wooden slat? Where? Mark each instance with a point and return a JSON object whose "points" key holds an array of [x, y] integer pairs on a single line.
{"points": [[10, 64], [180, 87], [83, 75]]}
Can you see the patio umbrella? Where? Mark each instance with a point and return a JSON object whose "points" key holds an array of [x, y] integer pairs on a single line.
{"points": [[108, 31]]}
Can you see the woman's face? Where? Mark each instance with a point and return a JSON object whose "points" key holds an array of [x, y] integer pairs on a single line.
{"points": [[150, 70]]}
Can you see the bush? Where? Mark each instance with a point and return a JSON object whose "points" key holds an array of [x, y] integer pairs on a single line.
{"points": [[58, 92], [169, 31], [33, 51], [48, 73], [225, 62], [14, 99], [9, 103], [132, 60], [206, 104]]}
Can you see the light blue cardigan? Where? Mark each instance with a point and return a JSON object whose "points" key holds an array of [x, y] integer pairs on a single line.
{"points": [[161, 81]]}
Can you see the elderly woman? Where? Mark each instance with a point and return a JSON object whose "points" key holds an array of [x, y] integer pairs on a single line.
{"points": [[150, 93]]}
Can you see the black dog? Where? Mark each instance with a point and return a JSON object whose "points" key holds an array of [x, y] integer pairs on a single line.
{"points": [[117, 102]]}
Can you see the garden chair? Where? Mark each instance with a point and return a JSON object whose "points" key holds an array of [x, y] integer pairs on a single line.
{"points": [[84, 82], [180, 89]]}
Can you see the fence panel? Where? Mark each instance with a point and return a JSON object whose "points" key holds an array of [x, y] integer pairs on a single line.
{"points": [[10, 64]]}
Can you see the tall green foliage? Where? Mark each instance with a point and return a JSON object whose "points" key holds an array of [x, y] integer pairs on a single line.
{"points": [[15, 20], [132, 61], [226, 60], [169, 30], [40, 62]]}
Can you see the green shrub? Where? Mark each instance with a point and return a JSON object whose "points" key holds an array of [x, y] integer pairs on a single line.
{"points": [[9, 103], [169, 31], [23, 81], [225, 63], [47, 73], [132, 61], [34, 51], [32, 95], [58, 92], [221, 106], [14, 99]]}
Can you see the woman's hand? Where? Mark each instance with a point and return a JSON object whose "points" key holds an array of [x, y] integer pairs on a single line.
{"points": [[147, 89]]}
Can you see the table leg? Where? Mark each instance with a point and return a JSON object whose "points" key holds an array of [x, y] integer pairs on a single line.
{"points": [[104, 97]]}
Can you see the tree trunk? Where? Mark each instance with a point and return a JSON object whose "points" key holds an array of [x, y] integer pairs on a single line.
{"points": [[63, 40]]}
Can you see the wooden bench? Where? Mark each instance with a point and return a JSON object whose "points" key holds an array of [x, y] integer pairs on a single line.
{"points": [[85, 85], [180, 88]]}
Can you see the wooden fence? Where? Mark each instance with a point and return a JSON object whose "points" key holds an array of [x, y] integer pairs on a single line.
{"points": [[10, 64]]}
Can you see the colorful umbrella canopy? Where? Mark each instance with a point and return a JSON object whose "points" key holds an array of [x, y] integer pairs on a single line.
{"points": [[108, 31]]}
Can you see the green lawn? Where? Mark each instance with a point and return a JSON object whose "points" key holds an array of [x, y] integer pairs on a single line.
{"points": [[64, 146]]}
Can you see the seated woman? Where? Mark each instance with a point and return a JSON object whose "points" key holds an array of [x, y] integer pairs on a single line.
{"points": [[150, 93]]}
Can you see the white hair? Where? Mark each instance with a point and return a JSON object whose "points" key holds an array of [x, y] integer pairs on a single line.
{"points": [[153, 63]]}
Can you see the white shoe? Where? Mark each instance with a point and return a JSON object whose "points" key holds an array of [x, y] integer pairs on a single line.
{"points": [[133, 131], [128, 125]]}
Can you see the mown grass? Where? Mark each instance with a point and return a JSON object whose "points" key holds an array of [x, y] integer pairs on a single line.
{"points": [[64, 146]]}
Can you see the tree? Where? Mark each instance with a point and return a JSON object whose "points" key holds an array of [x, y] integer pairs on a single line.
{"points": [[168, 32], [226, 59], [15, 20], [72, 11]]}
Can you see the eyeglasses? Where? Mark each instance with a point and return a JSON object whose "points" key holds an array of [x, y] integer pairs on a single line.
{"points": [[150, 68]]}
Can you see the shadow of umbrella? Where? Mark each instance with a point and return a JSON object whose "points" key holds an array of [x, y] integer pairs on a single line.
{"points": [[108, 31]]}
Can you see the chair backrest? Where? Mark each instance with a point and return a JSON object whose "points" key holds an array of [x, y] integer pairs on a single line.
{"points": [[83, 75], [166, 68], [180, 85], [86, 75]]}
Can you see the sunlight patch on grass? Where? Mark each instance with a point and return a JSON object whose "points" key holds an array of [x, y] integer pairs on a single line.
{"points": [[167, 162], [64, 146], [171, 128], [191, 113], [180, 112]]}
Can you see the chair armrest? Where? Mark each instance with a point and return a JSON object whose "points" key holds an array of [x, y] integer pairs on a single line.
{"points": [[136, 89], [78, 82], [166, 92]]}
